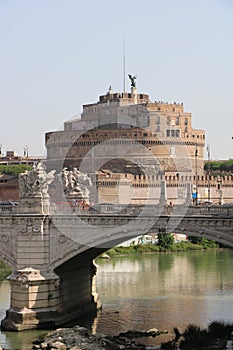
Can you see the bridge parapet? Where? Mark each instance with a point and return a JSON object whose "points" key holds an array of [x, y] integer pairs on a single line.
{"points": [[6, 209]]}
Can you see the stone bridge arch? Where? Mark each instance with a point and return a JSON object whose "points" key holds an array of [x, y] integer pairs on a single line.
{"points": [[219, 230], [53, 279]]}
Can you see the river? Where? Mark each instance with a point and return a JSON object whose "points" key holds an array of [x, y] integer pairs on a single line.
{"points": [[152, 291]]}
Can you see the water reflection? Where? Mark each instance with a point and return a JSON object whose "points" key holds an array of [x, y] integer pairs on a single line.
{"points": [[165, 290]]}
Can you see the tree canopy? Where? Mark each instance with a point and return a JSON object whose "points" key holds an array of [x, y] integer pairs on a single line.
{"points": [[219, 166], [14, 170]]}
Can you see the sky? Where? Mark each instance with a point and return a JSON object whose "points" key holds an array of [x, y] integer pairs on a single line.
{"points": [[57, 55]]}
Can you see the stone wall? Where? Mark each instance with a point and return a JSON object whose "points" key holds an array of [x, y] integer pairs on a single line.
{"points": [[143, 189]]}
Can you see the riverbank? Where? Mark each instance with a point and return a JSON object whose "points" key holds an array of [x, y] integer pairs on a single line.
{"points": [[183, 246]]}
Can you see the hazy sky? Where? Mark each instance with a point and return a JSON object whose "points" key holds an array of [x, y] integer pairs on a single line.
{"points": [[59, 54]]}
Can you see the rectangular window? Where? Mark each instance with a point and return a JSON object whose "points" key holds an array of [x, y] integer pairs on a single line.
{"points": [[177, 133], [168, 133], [177, 121], [173, 133], [168, 120], [186, 121]]}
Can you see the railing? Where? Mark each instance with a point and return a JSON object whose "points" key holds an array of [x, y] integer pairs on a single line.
{"points": [[6, 209], [212, 210], [135, 210]]}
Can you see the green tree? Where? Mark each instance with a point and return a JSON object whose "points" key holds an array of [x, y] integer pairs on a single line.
{"points": [[165, 240], [14, 170]]}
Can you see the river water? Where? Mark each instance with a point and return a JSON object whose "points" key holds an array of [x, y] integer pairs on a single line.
{"points": [[152, 291]]}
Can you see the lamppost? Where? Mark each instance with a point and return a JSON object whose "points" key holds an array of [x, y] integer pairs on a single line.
{"points": [[219, 181], [25, 152], [208, 172], [196, 153]]}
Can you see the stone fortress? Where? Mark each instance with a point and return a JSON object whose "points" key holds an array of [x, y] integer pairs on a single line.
{"points": [[131, 144]]}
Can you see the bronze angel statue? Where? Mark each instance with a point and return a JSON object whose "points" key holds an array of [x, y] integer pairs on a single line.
{"points": [[132, 79]]}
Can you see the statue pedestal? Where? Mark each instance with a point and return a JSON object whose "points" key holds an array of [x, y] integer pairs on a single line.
{"points": [[134, 94], [33, 205]]}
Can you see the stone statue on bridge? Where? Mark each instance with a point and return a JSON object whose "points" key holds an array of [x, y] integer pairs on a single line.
{"points": [[33, 191], [35, 182], [75, 183]]}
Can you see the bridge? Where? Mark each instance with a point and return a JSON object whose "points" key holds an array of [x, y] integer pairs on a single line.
{"points": [[51, 253]]}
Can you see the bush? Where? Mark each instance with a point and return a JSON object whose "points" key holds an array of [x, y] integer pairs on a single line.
{"points": [[4, 271], [203, 242]]}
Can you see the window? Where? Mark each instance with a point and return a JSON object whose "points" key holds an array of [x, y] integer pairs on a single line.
{"points": [[173, 133], [186, 121], [157, 120], [168, 120], [177, 121]]}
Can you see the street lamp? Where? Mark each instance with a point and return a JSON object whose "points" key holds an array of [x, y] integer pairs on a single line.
{"points": [[196, 153], [208, 172], [25, 151]]}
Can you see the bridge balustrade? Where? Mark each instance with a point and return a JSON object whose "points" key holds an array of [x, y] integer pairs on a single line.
{"points": [[210, 210], [6, 209], [134, 210]]}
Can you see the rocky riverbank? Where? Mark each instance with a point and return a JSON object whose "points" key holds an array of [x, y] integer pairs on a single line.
{"points": [[79, 338]]}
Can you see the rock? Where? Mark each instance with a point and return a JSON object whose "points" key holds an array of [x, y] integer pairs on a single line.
{"points": [[58, 345], [79, 338]]}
